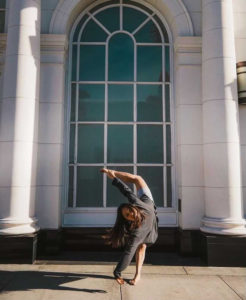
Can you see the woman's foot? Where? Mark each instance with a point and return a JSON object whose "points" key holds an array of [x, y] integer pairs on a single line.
{"points": [[120, 280], [134, 280]]}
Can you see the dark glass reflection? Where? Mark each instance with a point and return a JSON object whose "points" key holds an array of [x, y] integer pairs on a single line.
{"points": [[89, 187], [154, 178], [149, 63], [120, 144], [93, 33], [149, 33], [91, 102], [73, 101], [2, 21], [168, 144], [167, 101], [149, 103], [169, 187], [92, 63], [121, 58], [71, 143], [167, 64], [150, 144], [110, 18], [132, 18], [70, 187], [78, 28], [74, 62], [90, 143], [163, 29], [120, 102]]}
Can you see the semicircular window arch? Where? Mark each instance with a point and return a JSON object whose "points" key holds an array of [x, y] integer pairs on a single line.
{"points": [[120, 111]]}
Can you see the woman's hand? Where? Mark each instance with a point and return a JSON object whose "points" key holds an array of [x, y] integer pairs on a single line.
{"points": [[110, 173]]}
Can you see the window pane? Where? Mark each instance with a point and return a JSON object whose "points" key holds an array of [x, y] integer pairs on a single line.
{"points": [[114, 196], [120, 143], [168, 143], [149, 103], [167, 101], [2, 21], [74, 63], [93, 33], [167, 64], [149, 63], [89, 187], [73, 102], [154, 179], [149, 33], [150, 144], [91, 102], [70, 187], [76, 33], [121, 58], [132, 18], [2, 3], [163, 29], [120, 102], [90, 143], [71, 143], [110, 18], [92, 63], [169, 187]]}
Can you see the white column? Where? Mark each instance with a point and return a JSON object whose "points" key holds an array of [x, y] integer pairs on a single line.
{"points": [[19, 119], [221, 141]]}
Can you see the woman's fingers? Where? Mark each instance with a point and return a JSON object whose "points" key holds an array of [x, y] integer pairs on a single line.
{"points": [[110, 173]]}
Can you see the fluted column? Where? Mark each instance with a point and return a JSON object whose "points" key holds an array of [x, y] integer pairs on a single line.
{"points": [[19, 119], [221, 141]]}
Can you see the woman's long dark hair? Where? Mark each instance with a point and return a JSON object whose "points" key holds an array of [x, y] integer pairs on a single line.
{"points": [[118, 235]]}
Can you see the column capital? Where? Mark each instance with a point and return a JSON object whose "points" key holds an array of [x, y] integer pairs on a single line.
{"points": [[188, 44], [53, 48], [188, 50]]}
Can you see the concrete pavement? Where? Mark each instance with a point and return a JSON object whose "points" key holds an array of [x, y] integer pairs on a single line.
{"points": [[74, 280]]}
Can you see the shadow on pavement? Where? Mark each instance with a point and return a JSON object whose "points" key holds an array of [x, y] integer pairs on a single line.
{"points": [[31, 280]]}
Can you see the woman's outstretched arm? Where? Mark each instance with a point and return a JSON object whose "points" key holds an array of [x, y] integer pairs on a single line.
{"points": [[126, 177]]}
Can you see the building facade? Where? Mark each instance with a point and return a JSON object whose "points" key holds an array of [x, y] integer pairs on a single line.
{"points": [[155, 88]]}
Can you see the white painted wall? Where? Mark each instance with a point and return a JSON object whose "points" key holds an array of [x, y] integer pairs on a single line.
{"points": [[239, 7], [189, 130], [51, 130]]}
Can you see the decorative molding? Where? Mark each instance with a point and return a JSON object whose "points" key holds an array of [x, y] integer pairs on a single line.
{"points": [[66, 10], [188, 44], [53, 48]]}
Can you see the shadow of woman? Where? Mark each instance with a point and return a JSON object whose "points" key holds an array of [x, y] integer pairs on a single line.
{"points": [[31, 280]]}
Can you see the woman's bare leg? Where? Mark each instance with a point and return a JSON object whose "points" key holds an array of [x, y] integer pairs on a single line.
{"points": [[140, 255]]}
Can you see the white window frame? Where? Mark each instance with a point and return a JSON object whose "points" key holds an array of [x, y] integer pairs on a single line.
{"points": [[72, 215]]}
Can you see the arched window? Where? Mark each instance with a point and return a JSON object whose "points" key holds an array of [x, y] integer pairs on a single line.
{"points": [[119, 114]]}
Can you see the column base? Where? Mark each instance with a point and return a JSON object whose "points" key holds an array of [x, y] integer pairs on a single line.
{"points": [[223, 226], [11, 226], [18, 248], [223, 250]]}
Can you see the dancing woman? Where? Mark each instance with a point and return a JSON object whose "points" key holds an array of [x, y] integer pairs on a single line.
{"points": [[136, 225]]}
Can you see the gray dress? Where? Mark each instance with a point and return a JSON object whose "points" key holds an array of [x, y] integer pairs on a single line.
{"points": [[148, 231]]}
